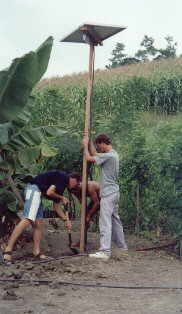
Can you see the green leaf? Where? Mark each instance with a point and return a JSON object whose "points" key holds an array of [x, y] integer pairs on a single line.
{"points": [[7, 165], [4, 133], [29, 155], [13, 206], [23, 118], [7, 197], [43, 55], [51, 131], [25, 138], [34, 137], [3, 174], [17, 82], [48, 151]]}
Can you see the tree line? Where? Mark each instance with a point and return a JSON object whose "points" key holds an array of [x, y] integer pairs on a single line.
{"points": [[147, 52]]}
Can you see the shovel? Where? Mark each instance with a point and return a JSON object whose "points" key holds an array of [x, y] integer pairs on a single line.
{"points": [[73, 249]]}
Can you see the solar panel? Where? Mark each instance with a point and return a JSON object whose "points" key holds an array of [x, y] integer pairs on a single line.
{"points": [[87, 33]]}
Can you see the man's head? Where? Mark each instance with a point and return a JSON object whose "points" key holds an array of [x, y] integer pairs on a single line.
{"points": [[103, 142], [74, 180]]}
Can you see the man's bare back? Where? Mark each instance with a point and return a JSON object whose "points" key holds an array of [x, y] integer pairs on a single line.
{"points": [[92, 192]]}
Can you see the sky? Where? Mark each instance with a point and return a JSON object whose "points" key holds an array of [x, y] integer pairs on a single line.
{"points": [[25, 24]]}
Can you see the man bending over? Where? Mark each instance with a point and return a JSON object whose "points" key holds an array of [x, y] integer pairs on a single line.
{"points": [[50, 185], [93, 193]]}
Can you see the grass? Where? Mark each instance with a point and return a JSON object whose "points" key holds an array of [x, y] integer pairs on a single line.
{"points": [[153, 68]]}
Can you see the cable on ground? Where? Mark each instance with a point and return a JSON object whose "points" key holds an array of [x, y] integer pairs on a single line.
{"points": [[92, 285]]}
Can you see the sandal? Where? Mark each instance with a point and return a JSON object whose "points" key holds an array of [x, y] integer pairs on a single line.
{"points": [[3, 260], [40, 257]]}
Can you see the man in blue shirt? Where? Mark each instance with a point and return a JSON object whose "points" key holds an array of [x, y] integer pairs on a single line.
{"points": [[50, 185]]}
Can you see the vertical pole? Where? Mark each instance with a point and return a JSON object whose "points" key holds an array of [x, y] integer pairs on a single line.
{"points": [[137, 225], [180, 248], [87, 129]]}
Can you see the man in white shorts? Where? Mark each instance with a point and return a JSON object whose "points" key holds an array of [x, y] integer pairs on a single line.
{"points": [[109, 221], [50, 185]]}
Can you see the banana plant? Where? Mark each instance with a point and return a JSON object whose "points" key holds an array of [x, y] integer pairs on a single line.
{"points": [[20, 145]]}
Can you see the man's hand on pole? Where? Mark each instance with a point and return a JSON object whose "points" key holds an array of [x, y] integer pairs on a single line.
{"points": [[85, 140]]}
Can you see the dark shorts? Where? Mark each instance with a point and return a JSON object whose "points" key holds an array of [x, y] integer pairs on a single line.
{"points": [[89, 207]]}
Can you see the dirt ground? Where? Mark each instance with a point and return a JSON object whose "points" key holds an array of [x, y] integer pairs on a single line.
{"points": [[149, 268]]}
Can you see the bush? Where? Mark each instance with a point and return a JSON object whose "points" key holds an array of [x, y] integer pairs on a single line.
{"points": [[142, 114]]}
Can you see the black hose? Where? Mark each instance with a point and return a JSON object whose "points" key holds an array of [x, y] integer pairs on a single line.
{"points": [[83, 284], [157, 247], [59, 258]]}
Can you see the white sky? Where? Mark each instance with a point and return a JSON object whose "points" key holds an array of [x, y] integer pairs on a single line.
{"points": [[25, 24]]}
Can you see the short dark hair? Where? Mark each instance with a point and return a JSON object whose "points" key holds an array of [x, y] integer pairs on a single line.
{"points": [[75, 175], [103, 138]]}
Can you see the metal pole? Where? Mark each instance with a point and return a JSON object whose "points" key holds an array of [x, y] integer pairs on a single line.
{"points": [[87, 129]]}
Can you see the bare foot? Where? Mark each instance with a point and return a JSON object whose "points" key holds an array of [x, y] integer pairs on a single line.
{"points": [[7, 256]]}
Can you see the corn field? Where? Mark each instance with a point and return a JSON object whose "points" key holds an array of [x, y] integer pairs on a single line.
{"points": [[142, 113]]}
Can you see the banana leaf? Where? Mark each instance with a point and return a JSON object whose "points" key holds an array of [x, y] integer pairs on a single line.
{"points": [[7, 165], [48, 151], [33, 137], [29, 155], [22, 119], [3, 174], [7, 197], [4, 133], [17, 82]]}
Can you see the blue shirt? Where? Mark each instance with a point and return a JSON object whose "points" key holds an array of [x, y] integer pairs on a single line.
{"points": [[55, 177]]}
